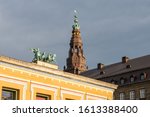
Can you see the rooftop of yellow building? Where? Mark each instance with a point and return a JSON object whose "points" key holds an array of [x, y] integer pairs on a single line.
{"points": [[53, 69]]}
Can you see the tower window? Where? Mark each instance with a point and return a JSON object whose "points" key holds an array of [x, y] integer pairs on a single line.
{"points": [[77, 71], [76, 49]]}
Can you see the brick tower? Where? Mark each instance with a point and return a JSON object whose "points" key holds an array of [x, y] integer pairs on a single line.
{"points": [[76, 62]]}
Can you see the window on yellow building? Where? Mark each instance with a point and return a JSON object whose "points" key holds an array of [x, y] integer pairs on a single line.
{"points": [[69, 99], [9, 94], [40, 96]]}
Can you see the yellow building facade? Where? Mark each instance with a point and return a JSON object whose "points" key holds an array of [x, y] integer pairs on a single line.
{"points": [[20, 80]]}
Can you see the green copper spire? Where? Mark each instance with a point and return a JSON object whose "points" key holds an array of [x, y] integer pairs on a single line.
{"points": [[76, 24]]}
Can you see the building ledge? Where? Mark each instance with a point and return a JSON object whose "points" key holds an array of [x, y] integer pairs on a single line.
{"points": [[49, 65]]}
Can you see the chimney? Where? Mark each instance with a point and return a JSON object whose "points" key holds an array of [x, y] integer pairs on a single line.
{"points": [[125, 59], [100, 66]]}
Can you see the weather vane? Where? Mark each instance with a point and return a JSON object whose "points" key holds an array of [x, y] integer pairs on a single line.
{"points": [[75, 11], [76, 24]]}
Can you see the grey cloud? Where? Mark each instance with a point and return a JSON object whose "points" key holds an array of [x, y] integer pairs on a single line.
{"points": [[113, 28]]}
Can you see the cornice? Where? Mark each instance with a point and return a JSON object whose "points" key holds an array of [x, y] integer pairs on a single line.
{"points": [[60, 73]]}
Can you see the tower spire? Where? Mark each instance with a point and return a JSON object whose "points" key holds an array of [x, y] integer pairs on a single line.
{"points": [[76, 62], [76, 24]]}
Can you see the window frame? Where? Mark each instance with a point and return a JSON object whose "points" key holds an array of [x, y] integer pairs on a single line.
{"points": [[132, 95], [144, 76], [69, 99], [113, 81], [142, 93], [12, 90], [122, 96], [44, 96], [122, 81], [132, 78]]}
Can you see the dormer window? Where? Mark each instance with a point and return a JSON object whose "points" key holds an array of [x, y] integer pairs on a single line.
{"points": [[143, 76], [122, 81], [132, 79], [128, 66], [102, 73], [113, 81]]}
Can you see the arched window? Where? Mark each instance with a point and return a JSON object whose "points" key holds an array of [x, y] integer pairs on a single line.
{"points": [[113, 81], [142, 76], [76, 49], [122, 81], [132, 78]]}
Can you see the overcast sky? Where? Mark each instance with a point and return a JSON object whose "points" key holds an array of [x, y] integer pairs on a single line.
{"points": [[110, 29]]}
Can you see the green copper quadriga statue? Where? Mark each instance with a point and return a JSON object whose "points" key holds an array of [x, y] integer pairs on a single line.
{"points": [[41, 56], [37, 54]]}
